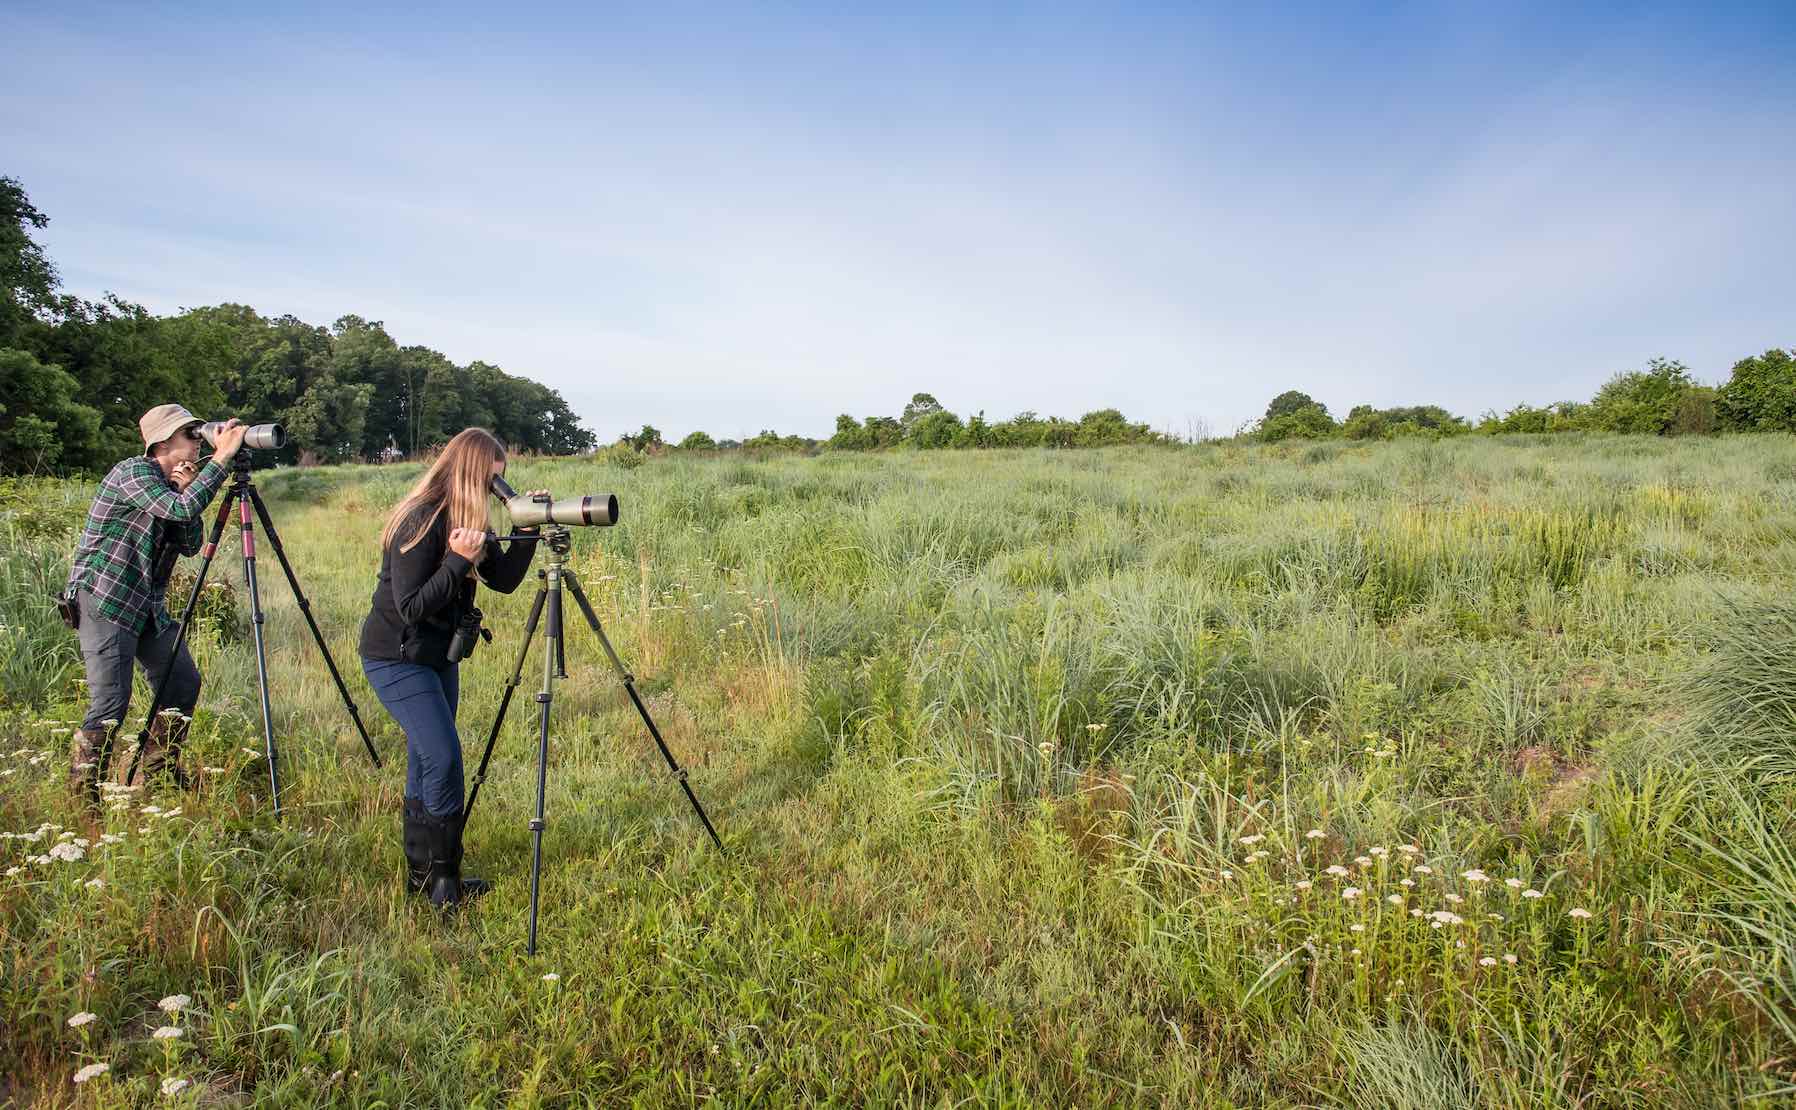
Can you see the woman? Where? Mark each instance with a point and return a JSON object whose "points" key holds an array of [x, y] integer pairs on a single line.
{"points": [[434, 546]]}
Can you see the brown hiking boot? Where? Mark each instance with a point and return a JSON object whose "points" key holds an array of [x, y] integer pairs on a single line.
{"points": [[85, 771], [160, 754]]}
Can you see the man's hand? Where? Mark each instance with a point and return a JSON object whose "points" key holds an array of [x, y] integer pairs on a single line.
{"points": [[224, 448], [184, 474], [467, 542]]}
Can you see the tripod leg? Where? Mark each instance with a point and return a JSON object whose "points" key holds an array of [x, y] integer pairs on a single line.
{"points": [[305, 607], [255, 607], [592, 619], [551, 644], [199, 582], [517, 674]]}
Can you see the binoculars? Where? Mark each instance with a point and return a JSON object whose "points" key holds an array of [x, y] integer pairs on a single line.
{"points": [[593, 510], [257, 437]]}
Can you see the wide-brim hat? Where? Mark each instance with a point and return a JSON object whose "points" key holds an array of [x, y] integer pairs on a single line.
{"points": [[164, 421]]}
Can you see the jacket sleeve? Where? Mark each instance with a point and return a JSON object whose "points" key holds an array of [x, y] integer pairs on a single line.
{"points": [[143, 487], [425, 579], [503, 570]]}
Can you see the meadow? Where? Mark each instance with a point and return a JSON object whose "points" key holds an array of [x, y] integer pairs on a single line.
{"points": [[1421, 774]]}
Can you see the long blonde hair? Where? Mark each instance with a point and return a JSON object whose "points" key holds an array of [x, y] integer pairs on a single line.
{"points": [[459, 482]]}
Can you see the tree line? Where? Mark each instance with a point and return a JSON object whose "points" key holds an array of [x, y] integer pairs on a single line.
{"points": [[924, 424], [1663, 399], [75, 375]]}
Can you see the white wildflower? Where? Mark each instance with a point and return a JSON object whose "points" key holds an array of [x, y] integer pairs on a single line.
{"points": [[174, 1003], [1352, 892], [1578, 912], [1487, 961], [1509, 958], [82, 1018], [1314, 834], [1394, 899], [1336, 870], [92, 1071], [551, 977], [1513, 883], [1250, 841], [1474, 876], [1532, 893], [168, 1033], [172, 1086]]}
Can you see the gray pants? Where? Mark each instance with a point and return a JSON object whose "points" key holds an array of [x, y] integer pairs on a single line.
{"points": [[108, 650]]}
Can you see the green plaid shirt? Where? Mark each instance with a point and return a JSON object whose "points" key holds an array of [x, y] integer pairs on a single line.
{"points": [[139, 522]]}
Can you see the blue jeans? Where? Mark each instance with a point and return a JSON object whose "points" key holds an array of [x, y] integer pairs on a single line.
{"points": [[423, 699]]}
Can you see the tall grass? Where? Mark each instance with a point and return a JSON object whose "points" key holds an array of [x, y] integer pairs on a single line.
{"points": [[1411, 774]]}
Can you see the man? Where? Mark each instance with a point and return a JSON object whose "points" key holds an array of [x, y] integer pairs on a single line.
{"points": [[148, 511]]}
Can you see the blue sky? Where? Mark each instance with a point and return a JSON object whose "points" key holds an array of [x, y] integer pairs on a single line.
{"points": [[733, 217]]}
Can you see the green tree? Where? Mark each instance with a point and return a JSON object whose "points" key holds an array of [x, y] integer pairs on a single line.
{"points": [[27, 278], [362, 353], [698, 441], [1291, 402], [646, 440], [921, 405], [883, 431], [1365, 422], [850, 435], [934, 430], [44, 428], [331, 419], [128, 361], [1295, 415], [1108, 426], [1643, 401], [1760, 395]]}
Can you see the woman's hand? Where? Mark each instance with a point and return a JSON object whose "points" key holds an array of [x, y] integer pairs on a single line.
{"points": [[467, 542]]}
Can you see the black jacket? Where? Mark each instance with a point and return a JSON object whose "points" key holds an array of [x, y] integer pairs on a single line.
{"points": [[423, 593]]}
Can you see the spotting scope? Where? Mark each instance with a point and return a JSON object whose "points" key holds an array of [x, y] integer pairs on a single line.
{"points": [[598, 509]]}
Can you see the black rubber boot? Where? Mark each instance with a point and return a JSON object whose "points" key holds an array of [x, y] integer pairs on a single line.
{"points": [[417, 846], [472, 886], [445, 885]]}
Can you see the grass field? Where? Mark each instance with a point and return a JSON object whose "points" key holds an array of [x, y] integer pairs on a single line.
{"points": [[1411, 775]]}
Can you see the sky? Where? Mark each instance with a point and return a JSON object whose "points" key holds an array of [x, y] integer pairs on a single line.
{"points": [[735, 217]]}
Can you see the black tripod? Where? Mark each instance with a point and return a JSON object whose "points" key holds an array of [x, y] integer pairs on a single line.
{"points": [[548, 595], [243, 494]]}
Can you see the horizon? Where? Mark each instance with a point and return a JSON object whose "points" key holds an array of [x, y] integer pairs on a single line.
{"points": [[724, 220]]}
